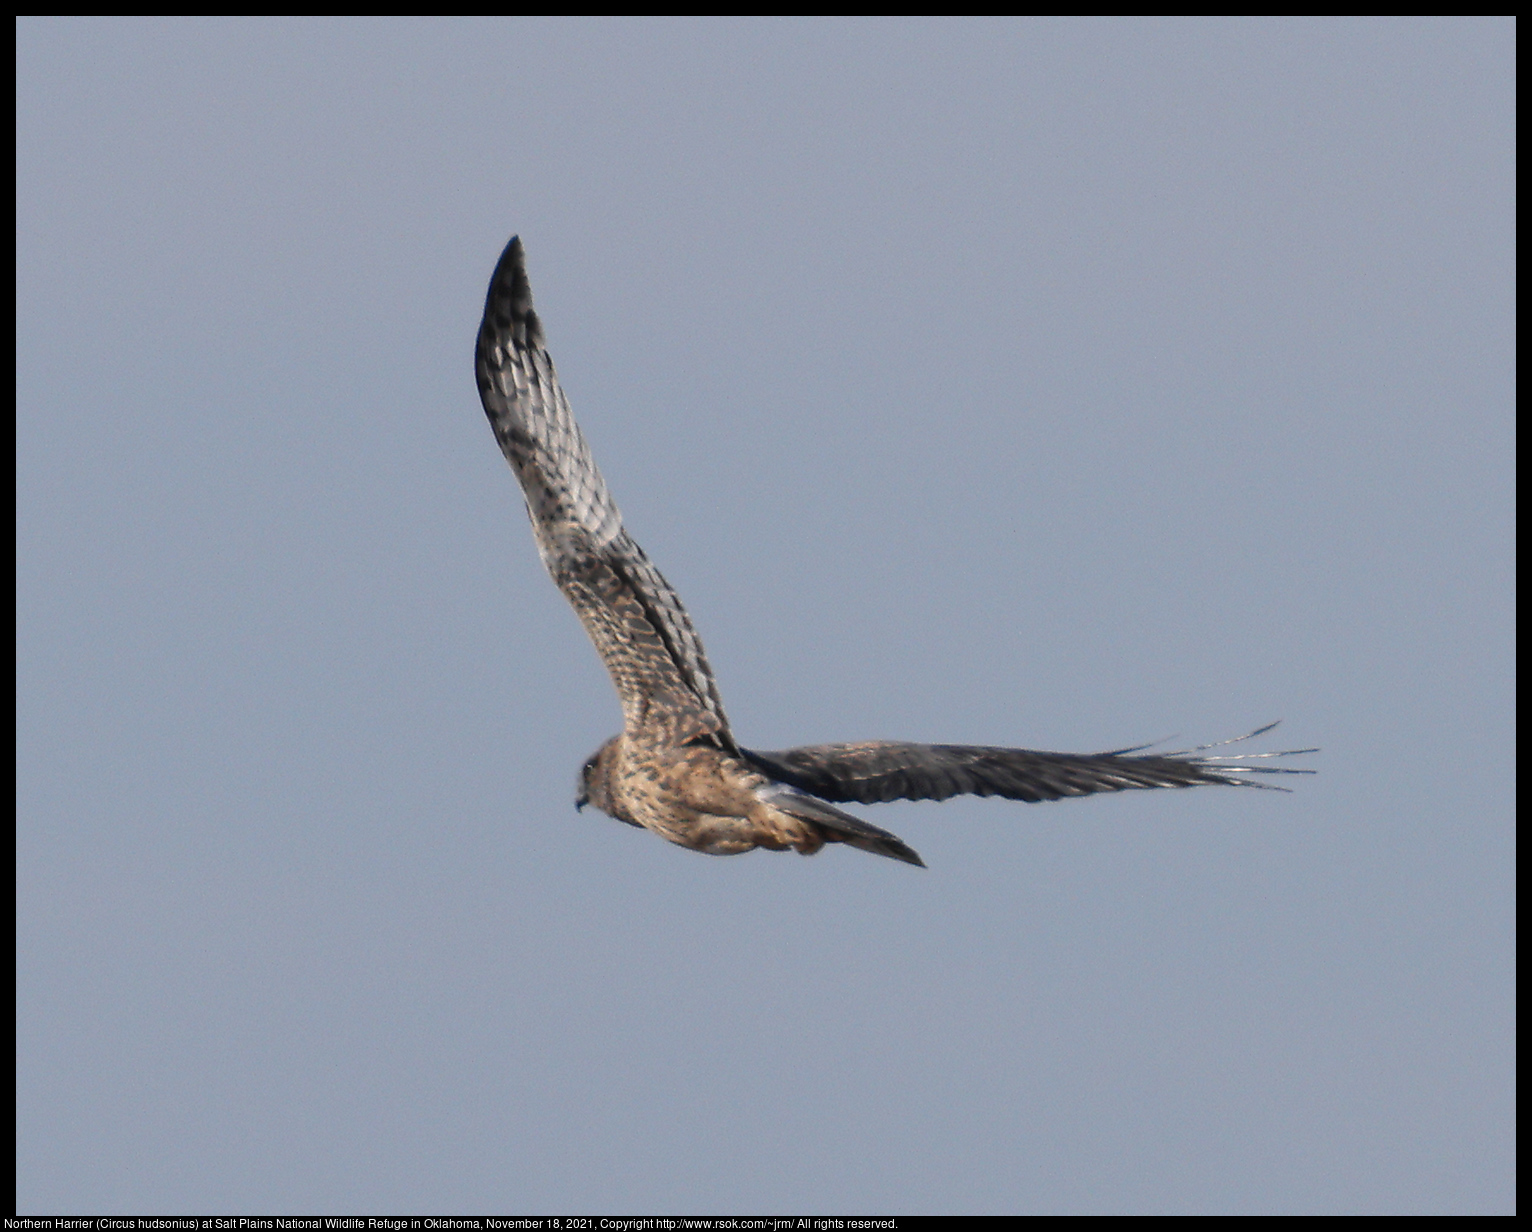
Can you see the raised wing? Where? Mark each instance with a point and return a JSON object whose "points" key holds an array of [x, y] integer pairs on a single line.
{"points": [[880, 770], [635, 619]]}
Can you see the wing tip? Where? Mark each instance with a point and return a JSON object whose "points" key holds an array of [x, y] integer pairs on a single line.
{"points": [[1219, 768], [508, 305]]}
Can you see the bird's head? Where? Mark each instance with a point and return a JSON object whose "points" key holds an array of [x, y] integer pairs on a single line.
{"points": [[591, 788]]}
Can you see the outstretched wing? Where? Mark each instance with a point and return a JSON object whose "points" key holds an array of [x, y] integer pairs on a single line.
{"points": [[632, 615], [880, 770]]}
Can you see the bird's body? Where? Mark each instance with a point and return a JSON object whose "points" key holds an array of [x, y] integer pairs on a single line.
{"points": [[676, 768]]}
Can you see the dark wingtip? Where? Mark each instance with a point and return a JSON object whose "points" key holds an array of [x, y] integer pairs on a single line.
{"points": [[508, 306]]}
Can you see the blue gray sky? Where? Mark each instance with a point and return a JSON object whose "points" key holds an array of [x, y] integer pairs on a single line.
{"points": [[1065, 384]]}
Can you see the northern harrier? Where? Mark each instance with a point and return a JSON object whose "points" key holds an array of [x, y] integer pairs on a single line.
{"points": [[676, 768]]}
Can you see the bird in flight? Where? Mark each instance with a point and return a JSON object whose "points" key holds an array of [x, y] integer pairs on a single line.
{"points": [[675, 768]]}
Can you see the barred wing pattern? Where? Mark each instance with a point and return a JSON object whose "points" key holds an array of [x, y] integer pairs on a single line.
{"points": [[635, 619]]}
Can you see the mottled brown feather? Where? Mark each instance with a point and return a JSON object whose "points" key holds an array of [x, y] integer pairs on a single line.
{"points": [[675, 768]]}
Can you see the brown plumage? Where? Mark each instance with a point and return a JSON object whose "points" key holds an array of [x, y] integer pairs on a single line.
{"points": [[676, 768]]}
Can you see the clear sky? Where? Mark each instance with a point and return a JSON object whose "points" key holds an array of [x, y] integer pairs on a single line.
{"points": [[1056, 383]]}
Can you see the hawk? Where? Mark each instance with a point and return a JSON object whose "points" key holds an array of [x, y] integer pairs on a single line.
{"points": [[675, 768]]}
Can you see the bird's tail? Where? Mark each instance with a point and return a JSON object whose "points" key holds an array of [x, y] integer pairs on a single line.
{"points": [[836, 826]]}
